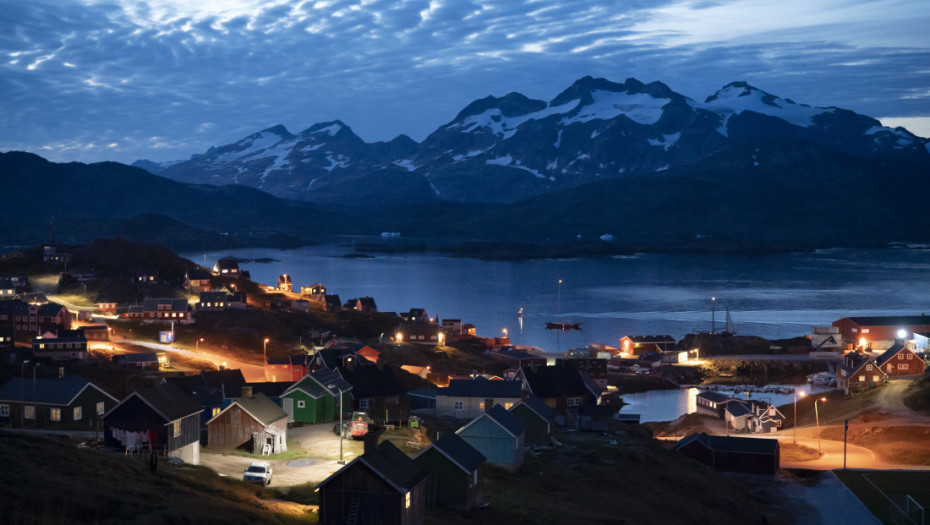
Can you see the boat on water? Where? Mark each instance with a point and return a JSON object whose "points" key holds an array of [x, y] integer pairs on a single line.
{"points": [[561, 325], [822, 379]]}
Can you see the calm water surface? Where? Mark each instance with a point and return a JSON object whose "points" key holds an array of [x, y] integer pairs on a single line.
{"points": [[772, 296]]}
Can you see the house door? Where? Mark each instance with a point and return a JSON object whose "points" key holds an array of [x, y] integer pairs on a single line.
{"points": [[289, 408]]}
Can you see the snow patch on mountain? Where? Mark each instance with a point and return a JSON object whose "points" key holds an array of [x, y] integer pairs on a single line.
{"points": [[312, 147], [641, 108], [249, 145], [331, 130], [558, 139], [506, 127], [737, 98], [667, 141], [339, 161], [500, 161], [407, 164]]}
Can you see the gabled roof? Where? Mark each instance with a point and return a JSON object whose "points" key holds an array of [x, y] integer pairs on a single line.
{"points": [[742, 445], [390, 464], [482, 388], [537, 406], [890, 353], [458, 451], [331, 378], [259, 407], [212, 296], [228, 381], [198, 274], [738, 409], [372, 381], [714, 397], [556, 381], [174, 305], [59, 391], [168, 401], [269, 388], [509, 422]]}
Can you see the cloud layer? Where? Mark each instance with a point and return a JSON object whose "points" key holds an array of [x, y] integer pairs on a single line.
{"points": [[163, 79]]}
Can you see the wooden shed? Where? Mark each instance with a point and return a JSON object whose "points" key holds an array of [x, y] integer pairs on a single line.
{"points": [[537, 419], [252, 422], [498, 435], [454, 467], [316, 397], [381, 487], [732, 454]]}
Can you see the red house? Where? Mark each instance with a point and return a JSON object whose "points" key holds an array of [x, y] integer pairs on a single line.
{"points": [[900, 361], [859, 372], [286, 369]]}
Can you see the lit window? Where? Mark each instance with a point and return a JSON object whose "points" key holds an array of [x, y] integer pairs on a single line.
{"points": [[407, 500], [900, 356], [910, 356], [508, 406], [177, 428], [865, 330], [78, 413], [30, 412], [862, 378], [100, 408], [481, 405], [902, 367], [54, 414], [215, 412]]}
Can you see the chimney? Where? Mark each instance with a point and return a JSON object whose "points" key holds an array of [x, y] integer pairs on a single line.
{"points": [[246, 391], [371, 440]]}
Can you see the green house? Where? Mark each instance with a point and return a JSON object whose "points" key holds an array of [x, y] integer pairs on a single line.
{"points": [[315, 398]]}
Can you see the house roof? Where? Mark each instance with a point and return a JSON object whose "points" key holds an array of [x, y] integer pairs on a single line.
{"points": [[146, 357], [168, 401], [738, 409], [458, 451], [262, 409], [197, 274], [372, 381], [228, 381], [332, 378], [714, 397], [174, 305], [742, 445], [902, 320], [482, 388], [537, 406], [890, 353], [212, 296], [664, 339], [509, 422], [58, 391], [556, 381], [270, 388], [388, 463], [520, 355]]}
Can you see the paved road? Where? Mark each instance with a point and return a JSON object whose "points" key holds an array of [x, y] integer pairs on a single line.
{"points": [[252, 372]]}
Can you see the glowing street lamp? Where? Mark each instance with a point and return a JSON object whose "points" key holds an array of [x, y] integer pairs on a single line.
{"points": [[197, 344], [796, 395], [817, 415], [341, 459], [713, 313], [505, 332], [902, 334]]}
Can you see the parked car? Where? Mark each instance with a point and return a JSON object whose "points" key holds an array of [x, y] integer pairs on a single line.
{"points": [[258, 472]]}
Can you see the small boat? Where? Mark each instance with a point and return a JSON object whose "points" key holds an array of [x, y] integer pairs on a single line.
{"points": [[822, 379], [563, 325]]}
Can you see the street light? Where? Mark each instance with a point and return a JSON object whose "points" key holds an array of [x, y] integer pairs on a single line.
{"points": [[197, 344], [341, 459], [796, 395], [713, 313], [22, 394], [817, 415], [505, 332], [265, 358]]}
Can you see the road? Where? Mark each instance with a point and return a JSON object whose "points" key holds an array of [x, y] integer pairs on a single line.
{"points": [[253, 373]]}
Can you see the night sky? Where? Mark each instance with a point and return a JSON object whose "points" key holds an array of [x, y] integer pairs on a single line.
{"points": [[163, 79]]}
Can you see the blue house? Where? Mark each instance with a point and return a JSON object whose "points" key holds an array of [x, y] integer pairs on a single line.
{"points": [[498, 435]]}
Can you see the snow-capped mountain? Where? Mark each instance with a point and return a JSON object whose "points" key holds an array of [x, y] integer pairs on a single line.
{"points": [[512, 147]]}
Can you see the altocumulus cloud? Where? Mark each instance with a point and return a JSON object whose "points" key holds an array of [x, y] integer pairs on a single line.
{"points": [[124, 79]]}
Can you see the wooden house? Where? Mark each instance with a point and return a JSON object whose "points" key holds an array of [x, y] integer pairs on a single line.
{"points": [[361, 304], [38, 316], [226, 266], [95, 332], [316, 398], [212, 302], [237, 301], [381, 487], [537, 419], [498, 435], [469, 398], [732, 454], [7, 337], [198, 280], [899, 360], [7, 289], [711, 403], [64, 403], [165, 413], [286, 369], [646, 344], [561, 388], [376, 389], [332, 303], [879, 331], [162, 310], [454, 467], [107, 307], [420, 334], [517, 358], [69, 346], [416, 315], [858, 372], [252, 422]]}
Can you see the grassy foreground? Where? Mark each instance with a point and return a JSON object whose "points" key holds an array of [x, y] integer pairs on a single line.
{"points": [[47, 480]]}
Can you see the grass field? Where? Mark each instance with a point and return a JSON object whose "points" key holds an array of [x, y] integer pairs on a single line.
{"points": [[875, 488]]}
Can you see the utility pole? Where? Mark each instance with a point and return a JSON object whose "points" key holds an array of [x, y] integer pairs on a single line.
{"points": [[845, 431]]}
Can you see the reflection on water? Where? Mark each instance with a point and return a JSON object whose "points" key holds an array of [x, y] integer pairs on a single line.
{"points": [[668, 405], [772, 296]]}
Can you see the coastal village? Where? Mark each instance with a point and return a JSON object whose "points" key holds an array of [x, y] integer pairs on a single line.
{"points": [[403, 417]]}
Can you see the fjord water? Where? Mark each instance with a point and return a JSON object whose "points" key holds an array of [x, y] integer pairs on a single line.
{"points": [[772, 296]]}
